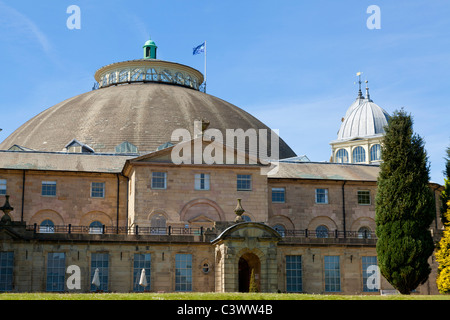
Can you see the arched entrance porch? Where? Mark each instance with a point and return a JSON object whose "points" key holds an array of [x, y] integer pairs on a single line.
{"points": [[248, 262], [239, 249]]}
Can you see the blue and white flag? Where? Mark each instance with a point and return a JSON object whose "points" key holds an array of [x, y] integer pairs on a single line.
{"points": [[199, 49]]}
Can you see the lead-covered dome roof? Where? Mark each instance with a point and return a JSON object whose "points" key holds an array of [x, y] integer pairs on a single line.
{"points": [[364, 118], [142, 114]]}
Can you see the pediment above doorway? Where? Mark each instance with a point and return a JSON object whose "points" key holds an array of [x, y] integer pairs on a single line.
{"points": [[248, 230]]}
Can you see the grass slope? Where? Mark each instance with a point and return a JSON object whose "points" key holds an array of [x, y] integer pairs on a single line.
{"points": [[209, 296]]}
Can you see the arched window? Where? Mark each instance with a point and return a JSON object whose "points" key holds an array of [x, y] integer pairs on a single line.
{"points": [[359, 155], [280, 229], [158, 224], [321, 232], [342, 156], [96, 227], [375, 152], [47, 226], [364, 233]]}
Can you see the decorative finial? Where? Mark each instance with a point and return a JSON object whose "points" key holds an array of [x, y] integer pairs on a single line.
{"points": [[239, 211], [6, 210], [360, 96], [367, 91]]}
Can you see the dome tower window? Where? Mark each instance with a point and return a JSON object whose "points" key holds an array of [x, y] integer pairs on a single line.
{"points": [[359, 155], [375, 152], [342, 156]]}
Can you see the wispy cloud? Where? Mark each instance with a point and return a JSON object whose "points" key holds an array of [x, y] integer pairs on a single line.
{"points": [[15, 25]]}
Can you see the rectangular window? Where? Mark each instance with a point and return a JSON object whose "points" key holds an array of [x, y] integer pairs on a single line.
{"points": [[183, 272], [244, 182], [363, 197], [56, 271], [202, 181], [2, 186], [100, 261], [141, 261], [98, 190], [48, 188], [294, 273], [6, 270], [278, 195], [159, 180], [332, 274], [370, 282], [322, 196]]}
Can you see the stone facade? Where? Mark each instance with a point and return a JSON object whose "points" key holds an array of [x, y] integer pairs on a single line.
{"points": [[198, 224]]}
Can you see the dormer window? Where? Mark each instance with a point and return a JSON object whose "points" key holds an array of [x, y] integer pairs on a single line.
{"points": [[126, 147], [75, 146]]}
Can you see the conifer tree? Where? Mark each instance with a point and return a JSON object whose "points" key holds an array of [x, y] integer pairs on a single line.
{"points": [[445, 195], [404, 207], [253, 285]]}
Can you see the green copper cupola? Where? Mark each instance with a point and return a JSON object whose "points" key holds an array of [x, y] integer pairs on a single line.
{"points": [[150, 49]]}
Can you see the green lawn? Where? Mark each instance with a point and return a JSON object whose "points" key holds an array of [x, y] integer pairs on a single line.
{"points": [[209, 296]]}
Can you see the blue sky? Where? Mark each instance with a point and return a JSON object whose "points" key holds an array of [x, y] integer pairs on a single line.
{"points": [[290, 63]]}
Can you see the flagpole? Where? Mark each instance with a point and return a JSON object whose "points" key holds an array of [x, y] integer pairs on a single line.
{"points": [[205, 66]]}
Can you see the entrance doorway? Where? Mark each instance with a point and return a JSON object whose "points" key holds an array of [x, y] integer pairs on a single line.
{"points": [[247, 263]]}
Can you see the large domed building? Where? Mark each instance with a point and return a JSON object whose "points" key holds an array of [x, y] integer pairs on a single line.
{"points": [[91, 183], [135, 108]]}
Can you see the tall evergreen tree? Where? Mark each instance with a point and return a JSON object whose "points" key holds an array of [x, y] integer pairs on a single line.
{"points": [[445, 195], [404, 207]]}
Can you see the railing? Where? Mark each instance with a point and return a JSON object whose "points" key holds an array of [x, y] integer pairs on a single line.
{"points": [[136, 230], [200, 231], [167, 230], [305, 233]]}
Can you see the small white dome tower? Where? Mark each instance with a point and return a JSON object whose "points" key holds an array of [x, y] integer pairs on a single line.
{"points": [[361, 132]]}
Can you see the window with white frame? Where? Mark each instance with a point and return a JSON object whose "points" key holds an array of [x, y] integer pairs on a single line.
{"points": [[342, 156], [359, 155], [244, 182], [375, 152], [48, 188], [201, 181], [322, 196], [2, 186], [98, 190], [159, 180]]}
